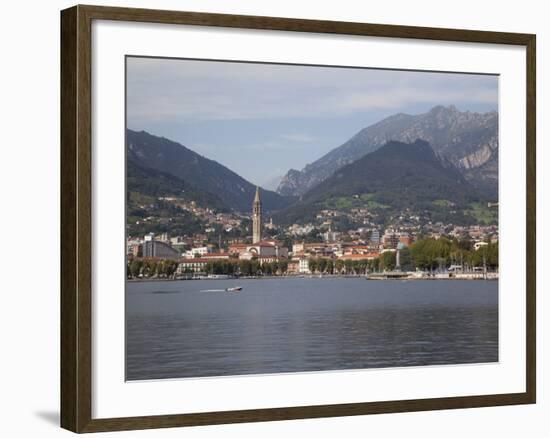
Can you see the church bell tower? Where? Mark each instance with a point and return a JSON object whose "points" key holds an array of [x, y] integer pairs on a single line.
{"points": [[257, 217]]}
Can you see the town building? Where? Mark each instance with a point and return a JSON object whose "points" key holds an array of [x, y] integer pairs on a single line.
{"points": [[264, 248], [300, 230], [180, 242], [163, 237], [358, 252], [238, 248], [199, 251], [195, 266], [331, 236], [270, 225], [212, 256], [157, 249], [321, 249], [293, 267], [269, 259], [303, 266], [406, 239], [134, 247], [359, 257], [375, 237], [390, 240], [298, 247]]}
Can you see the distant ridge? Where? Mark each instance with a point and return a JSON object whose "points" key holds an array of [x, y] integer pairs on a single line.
{"points": [[148, 151]]}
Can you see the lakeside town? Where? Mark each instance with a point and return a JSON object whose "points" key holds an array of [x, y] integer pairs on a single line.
{"points": [[407, 248]]}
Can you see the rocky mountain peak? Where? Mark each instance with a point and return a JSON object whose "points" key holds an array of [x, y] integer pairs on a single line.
{"points": [[467, 140]]}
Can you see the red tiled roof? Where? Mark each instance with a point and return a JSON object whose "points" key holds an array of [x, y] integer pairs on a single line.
{"points": [[367, 256], [203, 260], [195, 260], [266, 243]]}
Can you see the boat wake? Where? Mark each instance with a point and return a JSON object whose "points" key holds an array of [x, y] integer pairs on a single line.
{"points": [[229, 289]]}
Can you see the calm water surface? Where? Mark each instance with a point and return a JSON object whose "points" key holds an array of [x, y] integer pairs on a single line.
{"points": [[191, 328]]}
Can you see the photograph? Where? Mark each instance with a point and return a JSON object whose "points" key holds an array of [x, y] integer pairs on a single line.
{"points": [[272, 220], [291, 218]]}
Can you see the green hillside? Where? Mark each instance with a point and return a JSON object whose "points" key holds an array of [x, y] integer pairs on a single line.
{"points": [[395, 178]]}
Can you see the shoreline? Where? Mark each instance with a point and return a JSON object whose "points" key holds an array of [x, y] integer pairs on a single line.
{"points": [[313, 277]]}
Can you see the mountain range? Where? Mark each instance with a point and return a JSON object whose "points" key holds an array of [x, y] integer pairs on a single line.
{"points": [[468, 140], [396, 177], [167, 162], [441, 165]]}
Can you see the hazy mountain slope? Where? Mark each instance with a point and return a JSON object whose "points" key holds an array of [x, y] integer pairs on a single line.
{"points": [[159, 153], [149, 182]]}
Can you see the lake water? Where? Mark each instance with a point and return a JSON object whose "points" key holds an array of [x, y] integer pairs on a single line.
{"points": [[192, 329]]}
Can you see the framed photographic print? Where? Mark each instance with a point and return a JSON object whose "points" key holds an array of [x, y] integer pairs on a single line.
{"points": [[270, 218]]}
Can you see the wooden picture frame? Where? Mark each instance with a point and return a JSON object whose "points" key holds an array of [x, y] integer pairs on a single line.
{"points": [[76, 217]]}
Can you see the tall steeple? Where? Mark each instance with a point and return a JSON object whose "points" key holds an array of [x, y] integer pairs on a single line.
{"points": [[257, 217]]}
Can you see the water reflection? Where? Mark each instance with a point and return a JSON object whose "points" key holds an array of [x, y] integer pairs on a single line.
{"points": [[284, 325]]}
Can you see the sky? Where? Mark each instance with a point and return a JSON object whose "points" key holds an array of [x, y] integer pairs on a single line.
{"points": [[261, 120]]}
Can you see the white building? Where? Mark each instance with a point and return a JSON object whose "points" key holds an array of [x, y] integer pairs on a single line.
{"points": [[331, 236], [303, 266], [198, 252], [196, 266]]}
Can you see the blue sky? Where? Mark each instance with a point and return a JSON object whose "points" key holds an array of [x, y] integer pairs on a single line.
{"points": [[262, 119]]}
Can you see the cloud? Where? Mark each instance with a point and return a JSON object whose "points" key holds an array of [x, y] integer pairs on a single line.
{"points": [[400, 97], [298, 137], [189, 91]]}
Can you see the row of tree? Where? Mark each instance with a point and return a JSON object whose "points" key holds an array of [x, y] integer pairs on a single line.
{"points": [[246, 268], [426, 255], [146, 267], [432, 254]]}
